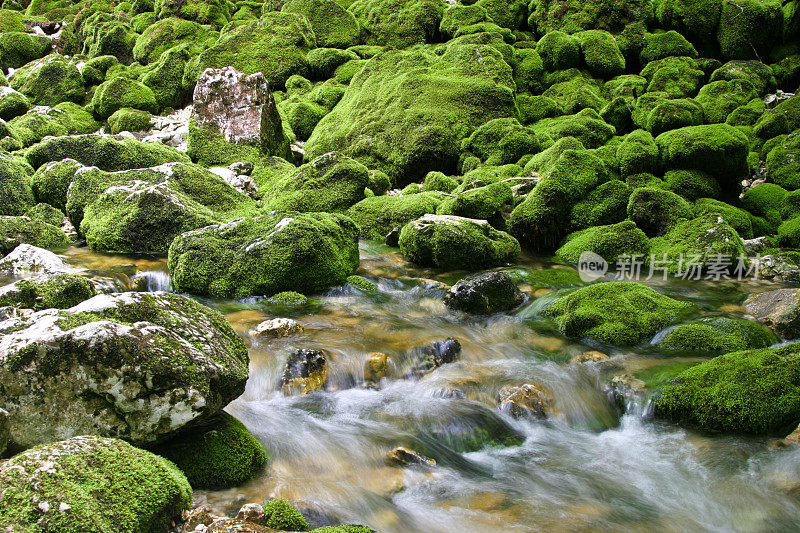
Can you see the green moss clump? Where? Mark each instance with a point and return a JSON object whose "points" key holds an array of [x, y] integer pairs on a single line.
{"points": [[170, 32], [12, 103], [398, 23], [677, 77], [267, 254], [549, 15], [362, 284], [789, 233], [61, 291], [737, 218], [601, 54], [605, 204], [16, 192], [755, 392], [121, 92], [49, 81], [378, 215], [716, 336], [665, 44], [609, 242], [437, 181], [214, 12], [109, 153], [217, 453], [720, 98], [407, 112], [749, 28], [619, 313], [783, 162], [672, 114], [107, 484], [275, 45], [480, 203], [451, 242], [18, 48], [51, 181], [637, 153], [279, 514], [323, 62], [128, 119], [105, 34], [502, 141], [459, 16], [719, 149], [18, 230], [696, 19], [333, 26], [348, 528], [757, 73], [576, 93], [656, 211], [559, 51], [288, 298], [46, 213], [166, 79], [587, 126], [692, 184]]}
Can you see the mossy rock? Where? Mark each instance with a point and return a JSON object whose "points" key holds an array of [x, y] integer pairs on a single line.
{"points": [[452, 242], [656, 211], [329, 183], [121, 92], [378, 215], [665, 44], [12, 103], [333, 26], [716, 336], [217, 453], [275, 45], [323, 62], [760, 75], [783, 162], [19, 48], [719, 149], [415, 122], [765, 202], [753, 392], [279, 514], [605, 204], [105, 34], [105, 485], [213, 12], [263, 255], [637, 153], [459, 16], [559, 51], [171, 32], [129, 119], [481, 203], [609, 242], [697, 20], [601, 54], [737, 218], [549, 15], [437, 181], [51, 181], [166, 79], [618, 313], [49, 81], [107, 152], [502, 141], [143, 210], [16, 192], [398, 23], [720, 98], [46, 213], [587, 126], [57, 292], [749, 29], [577, 93], [677, 77], [704, 241]]}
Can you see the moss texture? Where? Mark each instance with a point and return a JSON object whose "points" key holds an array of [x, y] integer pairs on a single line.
{"points": [[57, 292]]}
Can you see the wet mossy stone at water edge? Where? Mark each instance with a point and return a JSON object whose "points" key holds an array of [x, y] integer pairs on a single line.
{"points": [[57, 292], [138, 366], [484, 293], [406, 112], [452, 242], [91, 485], [217, 453], [609, 242], [754, 392], [618, 313], [264, 255], [279, 514], [715, 336]]}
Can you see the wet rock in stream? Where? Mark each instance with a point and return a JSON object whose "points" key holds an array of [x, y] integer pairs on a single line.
{"points": [[306, 371]]}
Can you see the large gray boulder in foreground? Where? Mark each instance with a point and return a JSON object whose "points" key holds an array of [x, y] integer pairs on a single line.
{"points": [[137, 366], [779, 310]]}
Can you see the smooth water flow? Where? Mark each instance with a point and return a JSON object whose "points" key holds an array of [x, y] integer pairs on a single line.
{"points": [[586, 468]]}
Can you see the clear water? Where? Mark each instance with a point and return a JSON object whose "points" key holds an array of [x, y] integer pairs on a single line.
{"points": [[584, 469]]}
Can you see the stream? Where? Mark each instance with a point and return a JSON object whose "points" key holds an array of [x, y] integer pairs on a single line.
{"points": [[586, 468]]}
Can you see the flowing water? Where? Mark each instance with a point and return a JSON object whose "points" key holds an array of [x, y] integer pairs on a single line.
{"points": [[586, 468]]}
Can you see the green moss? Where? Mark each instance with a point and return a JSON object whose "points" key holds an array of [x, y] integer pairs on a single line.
{"points": [[677, 77], [789, 233], [737, 218], [349, 528], [559, 51], [61, 291], [697, 20], [627, 85], [459, 16], [333, 26], [451, 242], [18, 230], [748, 114], [306, 252], [128, 119], [12, 103], [669, 114], [532, 109], [11, 20], [716, 336], [170, 32], [637, 153], [108, 485], [757, 73], [398, 23], [609, 242], [51, 181], [288, 298], [16, 193], [406, 113], [601, 55], [753, 392], [576, 93], [618, 114], [217, 453], [46, 213], [18, 48], [480, 203], [657, 376], [119, 93], [587, 126], [605, 204], [279, 514], [539, 221], [437, 181], [656, 211], [362, 284], [720, 98], [275, 45], [749, 28], [619, 313], [549, 15], [49, 81], [502, 141], [378, 215], [109, 153], [719, 149], [783, 162], [214, 12], [105, 34], [665, 44], [323, 62], [692, 184]]}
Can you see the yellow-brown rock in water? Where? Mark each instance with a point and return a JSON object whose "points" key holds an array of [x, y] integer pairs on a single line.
{"points": [[525, 400], [277, 327], [591, 356], [376, 367], [405, 457], [306, 371]]}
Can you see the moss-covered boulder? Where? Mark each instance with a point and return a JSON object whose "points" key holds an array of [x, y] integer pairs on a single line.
{"points": [[605, 204], [719, 149], [49, 81], [16, 194], [166, 78], [697, 20], [279, 514], [376, 216], [213, 12], [170, 32], [399, 23], [92, 485], [18, 230], [333, 26], [601, 54], [57, 292], [661, 45], [609, 242], [502, 141], [783, 162], [559, 51], [217, 453], [107, 152], [720, 98], [18, 48], [716, 336], [51, 181], [549, 15], [264, 255], [121, 92], [143, 210], [749, 29], [754, 392], [678, 77], [655, 211], [407, 112], [105, 34], [452, 242], [329, 183], [12, 103], [618, 313], [40, 122], [138, 366], [46, 213], [275, 45], [129, 119]]}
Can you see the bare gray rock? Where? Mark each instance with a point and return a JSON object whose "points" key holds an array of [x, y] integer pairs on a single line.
{"points": [[779, 310]]}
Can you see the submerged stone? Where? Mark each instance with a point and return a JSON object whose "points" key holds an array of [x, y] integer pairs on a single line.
{"points": [[306, 371]]}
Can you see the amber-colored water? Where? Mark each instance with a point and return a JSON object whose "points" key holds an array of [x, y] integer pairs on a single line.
{"points": [[585, 469]]}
